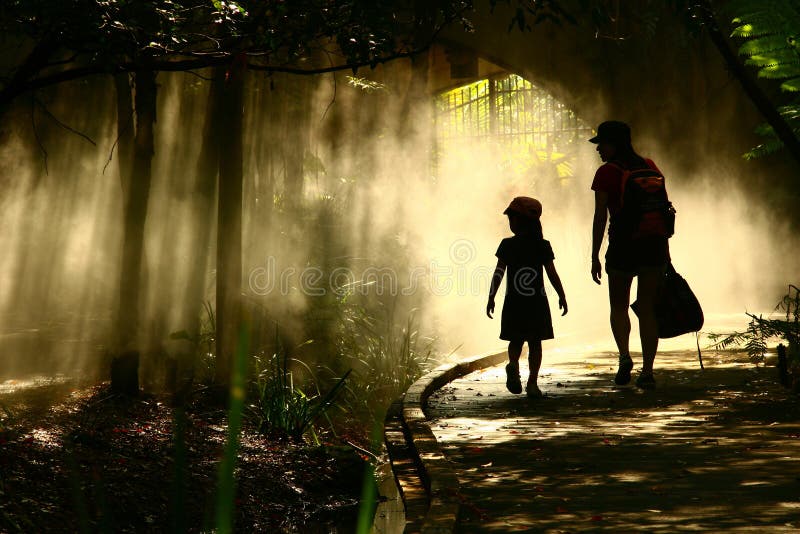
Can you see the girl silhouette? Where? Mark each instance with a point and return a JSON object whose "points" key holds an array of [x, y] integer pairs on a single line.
{"points": [[526, 311]]}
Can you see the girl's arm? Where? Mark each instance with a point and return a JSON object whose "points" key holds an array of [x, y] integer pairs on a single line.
{"points": [[552, 274], [499, 271]]}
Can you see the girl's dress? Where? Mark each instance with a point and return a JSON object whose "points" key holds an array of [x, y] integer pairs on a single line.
{"points": [[526, 312]]}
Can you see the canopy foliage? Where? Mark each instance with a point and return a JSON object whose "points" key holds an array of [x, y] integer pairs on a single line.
{"points": [[68, 39], [770, 42]]}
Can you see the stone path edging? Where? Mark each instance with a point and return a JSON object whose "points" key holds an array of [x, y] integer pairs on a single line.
{"points": [[440, 480]]}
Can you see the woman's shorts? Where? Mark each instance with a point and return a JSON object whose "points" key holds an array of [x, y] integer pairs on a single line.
{"points": [[632, 258]]}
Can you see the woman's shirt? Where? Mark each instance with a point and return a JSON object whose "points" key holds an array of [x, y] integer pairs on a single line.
{"points": [[625, 253], [525, 256]]}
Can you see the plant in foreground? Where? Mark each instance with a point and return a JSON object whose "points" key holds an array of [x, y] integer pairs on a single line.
{"points": [[282, 408], [761, 331]]}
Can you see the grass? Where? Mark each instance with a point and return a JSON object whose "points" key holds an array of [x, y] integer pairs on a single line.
{"points": [[203, 345], [282, 408], [372, 361], [386, 357]]}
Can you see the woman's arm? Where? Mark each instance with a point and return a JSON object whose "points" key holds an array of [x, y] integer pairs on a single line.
{"points": [[552, 274], [499, 271], [598, 229]]}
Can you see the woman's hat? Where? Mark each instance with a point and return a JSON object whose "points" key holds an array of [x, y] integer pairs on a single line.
{"points": [[614, 132], [525, 206]]}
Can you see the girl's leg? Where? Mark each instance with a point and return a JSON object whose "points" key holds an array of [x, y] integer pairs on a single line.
{"points": [[514, 351], [534, 359], [513, 383], [534, 362]]}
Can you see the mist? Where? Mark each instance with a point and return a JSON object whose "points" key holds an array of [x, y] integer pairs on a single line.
{"points": [[387, 211]]}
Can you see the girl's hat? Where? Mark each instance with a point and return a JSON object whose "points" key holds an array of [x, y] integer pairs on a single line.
{"points": [[525, 206]]}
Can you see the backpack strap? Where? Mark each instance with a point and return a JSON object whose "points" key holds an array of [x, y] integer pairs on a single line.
{"points": [[625, 174]]}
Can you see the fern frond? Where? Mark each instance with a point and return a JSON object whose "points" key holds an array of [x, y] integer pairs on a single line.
{"points": [[764, 44], [770, 31], [760, 14], [764, 149], [777, 58], [727, 340], [771, 144], [791, 85], [780, 71]]}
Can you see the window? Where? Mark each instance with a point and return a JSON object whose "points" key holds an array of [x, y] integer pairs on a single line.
{"points": [[530, 128]]}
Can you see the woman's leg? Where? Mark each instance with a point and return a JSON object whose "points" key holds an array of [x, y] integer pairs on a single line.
{"points": [[648, 327], [619, 295], [534, 359]]}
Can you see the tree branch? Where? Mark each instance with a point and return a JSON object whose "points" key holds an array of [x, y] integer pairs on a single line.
{"points": [[63, 125], [11, 91]]}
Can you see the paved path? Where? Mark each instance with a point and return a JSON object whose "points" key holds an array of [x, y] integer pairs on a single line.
{"points": [[714, 450]]}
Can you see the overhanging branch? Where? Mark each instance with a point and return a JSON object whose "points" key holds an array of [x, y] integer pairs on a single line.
{"points": [[10, 92]]}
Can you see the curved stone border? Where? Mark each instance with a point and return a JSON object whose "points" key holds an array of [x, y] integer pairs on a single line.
{"points": [[440, 480]]}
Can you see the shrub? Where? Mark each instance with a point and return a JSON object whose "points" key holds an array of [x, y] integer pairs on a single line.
{"points": [[282, 409], [762, 330]]}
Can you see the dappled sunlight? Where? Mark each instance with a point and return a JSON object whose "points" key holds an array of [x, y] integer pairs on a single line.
{"points": [[713, 449], [11, 386]]}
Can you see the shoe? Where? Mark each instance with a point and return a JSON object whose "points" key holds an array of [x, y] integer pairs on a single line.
{"points": [[646, 381], [513, 383], [533, 391], [624, 372]]}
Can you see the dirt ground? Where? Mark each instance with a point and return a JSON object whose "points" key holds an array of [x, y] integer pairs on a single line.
{"points": [[74, 458], [713, 450]]}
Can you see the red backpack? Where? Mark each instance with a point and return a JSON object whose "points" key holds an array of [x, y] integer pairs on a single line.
{"points": [[645, 208]]}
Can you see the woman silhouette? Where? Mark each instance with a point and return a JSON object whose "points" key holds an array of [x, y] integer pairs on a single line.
{"points": [[626, 258]]}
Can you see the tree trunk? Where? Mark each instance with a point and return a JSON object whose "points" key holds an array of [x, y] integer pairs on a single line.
{"points": [[298, 104], [770, 112], [416, 97], [204, 189], [125, 365], [229, 222], [125, 129]]}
